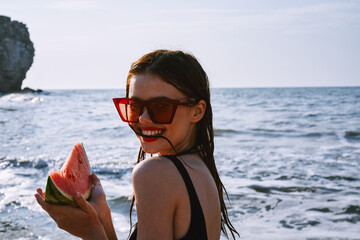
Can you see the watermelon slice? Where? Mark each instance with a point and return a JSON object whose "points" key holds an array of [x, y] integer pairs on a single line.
{"points": [[74, 176]]}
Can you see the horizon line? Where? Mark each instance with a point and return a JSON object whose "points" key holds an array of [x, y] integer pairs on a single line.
{"points": [[224, 87]]}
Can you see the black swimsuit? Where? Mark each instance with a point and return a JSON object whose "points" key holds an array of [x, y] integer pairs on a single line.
{"points": [[197, 228]]}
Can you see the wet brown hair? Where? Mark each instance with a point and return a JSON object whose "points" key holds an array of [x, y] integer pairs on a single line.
{"points": [[184, 72]]}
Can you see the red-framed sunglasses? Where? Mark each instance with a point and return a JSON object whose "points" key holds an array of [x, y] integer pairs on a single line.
{"points": [[160, 110]]}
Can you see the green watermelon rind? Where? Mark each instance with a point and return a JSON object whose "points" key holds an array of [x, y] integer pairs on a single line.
{"points": [[54, 195]]}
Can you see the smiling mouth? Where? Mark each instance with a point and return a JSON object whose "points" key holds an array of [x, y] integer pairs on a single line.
{"points": [[151, 133]]}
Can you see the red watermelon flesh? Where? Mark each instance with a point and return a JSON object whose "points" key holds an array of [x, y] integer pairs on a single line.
{"points": [[74, 176]]}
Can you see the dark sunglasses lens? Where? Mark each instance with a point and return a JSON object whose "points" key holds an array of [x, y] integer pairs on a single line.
{"points": [[161, 111], [130, 110]]}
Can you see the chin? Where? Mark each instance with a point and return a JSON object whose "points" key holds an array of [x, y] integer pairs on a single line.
{"points": [[154, 148], [149, 147], [149, 151]]}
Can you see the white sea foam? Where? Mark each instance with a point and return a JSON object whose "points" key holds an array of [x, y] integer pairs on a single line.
{"points": [[21, 97]]}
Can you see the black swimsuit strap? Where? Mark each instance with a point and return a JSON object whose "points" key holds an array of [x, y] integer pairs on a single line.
{"points": [[197, 228]]}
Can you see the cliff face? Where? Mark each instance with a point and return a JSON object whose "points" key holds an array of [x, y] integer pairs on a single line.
{"points": [[16, 54]]}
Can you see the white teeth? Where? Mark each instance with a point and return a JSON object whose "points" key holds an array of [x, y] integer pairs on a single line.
{"points": [[151, 133]]}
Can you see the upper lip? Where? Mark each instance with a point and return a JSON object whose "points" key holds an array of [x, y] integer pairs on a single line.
{"points": [[146, 128]]}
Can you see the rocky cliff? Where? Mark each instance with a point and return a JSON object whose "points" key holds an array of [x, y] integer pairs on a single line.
{"points": [[16, 54]]}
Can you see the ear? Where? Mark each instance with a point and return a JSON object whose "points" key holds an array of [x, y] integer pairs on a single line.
{"points": [[198, 111]]}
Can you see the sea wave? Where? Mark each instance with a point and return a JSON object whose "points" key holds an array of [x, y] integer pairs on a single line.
{"points": [[8, 109], [111, 172], [22, 97], [352, 135], [7, 162], [293, 189], [225, 132], [341, 178], [319, 134]]}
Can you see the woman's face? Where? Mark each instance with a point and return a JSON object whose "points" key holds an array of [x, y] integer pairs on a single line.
{"points": [[180, 131]]}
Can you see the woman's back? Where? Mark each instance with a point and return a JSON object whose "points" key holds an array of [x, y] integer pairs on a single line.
{"points": [[159, 181]]}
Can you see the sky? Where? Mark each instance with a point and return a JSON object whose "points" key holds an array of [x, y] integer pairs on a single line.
{"points": [[88, 44]]}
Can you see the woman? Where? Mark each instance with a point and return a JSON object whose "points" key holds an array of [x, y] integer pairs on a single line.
{"points": [[178, 193]]}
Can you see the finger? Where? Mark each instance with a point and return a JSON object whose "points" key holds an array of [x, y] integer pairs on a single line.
{"points": [[82, 203], [38, 198], [97, 187], [95, 179], [40, 191], [41, 201]]}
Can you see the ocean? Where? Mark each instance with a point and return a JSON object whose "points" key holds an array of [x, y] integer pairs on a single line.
{"points": [[288, 157]]}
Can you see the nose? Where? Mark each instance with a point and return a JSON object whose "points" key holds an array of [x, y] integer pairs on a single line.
{"points": [[144, 116]]}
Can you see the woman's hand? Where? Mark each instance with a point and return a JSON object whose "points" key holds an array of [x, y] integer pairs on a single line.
{"points": [[87, 220], [98, 202]]}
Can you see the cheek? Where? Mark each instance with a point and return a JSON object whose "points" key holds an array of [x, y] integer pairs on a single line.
{"points": [[180, 128]]}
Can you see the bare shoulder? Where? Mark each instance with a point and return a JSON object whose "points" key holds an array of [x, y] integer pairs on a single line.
{"points": [[155, 174], [153, 168]]}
